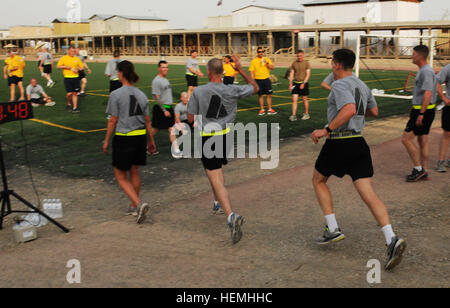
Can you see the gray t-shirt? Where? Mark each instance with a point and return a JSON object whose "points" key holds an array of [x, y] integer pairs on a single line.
{"points": [[191, 63], [216, 104], [182, 110], [329, 79], [47, 57], [111, 69], [444, 77], [161, 87], [130, 106], [425, 81], [350, 90], [35, 92]]}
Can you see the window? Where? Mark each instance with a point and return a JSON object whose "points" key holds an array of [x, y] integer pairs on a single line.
{"points": [[335, 40], [311, 42]]}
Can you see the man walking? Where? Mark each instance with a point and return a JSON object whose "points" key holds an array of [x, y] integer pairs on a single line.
{"points": [[346, 152], [215, 105], [444, 77], [298, 84], [260, 68], [71, 65], [112, 73], [192, 72], [422, 114]]}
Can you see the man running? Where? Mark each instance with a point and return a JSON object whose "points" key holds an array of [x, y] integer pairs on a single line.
{"points": [[37, 95], [47, 64], [444, 77], [192, 72], [260, 68], [346, 152], [422, 114], [71, 65], [298, 84], [112, 73], [215, 105], [13, 72], [163, 113], [82, 73]]}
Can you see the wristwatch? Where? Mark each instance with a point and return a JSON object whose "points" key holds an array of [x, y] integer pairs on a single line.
{"points": [[328, 128]]}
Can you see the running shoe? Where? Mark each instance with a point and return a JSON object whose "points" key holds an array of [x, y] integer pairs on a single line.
{"points": [[81, 94], [306, 117], [34, 105], [133, 211], [441, 166], [217, 209], [330, 237], [271, 112], [76, 110], [52, 84], [50, 104], [261, 112], [69, 108], [235, 227], [416, 175], [293, 118], [142, 212], [395, 253]]}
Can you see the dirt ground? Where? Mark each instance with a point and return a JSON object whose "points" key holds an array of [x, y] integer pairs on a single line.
{"points": [[184, 245]]}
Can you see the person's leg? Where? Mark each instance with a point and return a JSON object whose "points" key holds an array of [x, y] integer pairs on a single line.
{"points": [[269, 101], [424, 150], [190, 90], [306, 103], [376, 206], [323, 193], [12, 92], [294, 104], [83, 84], [411, 148], [21, 90], [217, 182], [74, 100], [127, 186], [261, 101], [443, 146], [135, 181]]}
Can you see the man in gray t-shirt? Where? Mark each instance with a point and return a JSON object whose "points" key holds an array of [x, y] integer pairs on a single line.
{"points": [[112, 73], [192, 72], [421, 116], [130, 106], [36, 94], [215, 105], [444, 77], [346, 152], [181, 112], [47, 64]]}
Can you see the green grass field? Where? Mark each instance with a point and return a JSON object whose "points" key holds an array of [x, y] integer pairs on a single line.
{"points": [[75, 150]]}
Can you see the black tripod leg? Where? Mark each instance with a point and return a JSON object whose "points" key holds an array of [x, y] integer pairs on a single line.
{"points": [[40, 212]]}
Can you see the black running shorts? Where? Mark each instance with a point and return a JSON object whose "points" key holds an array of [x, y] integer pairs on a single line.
{"points": [[428, 119], [192, 81], [265, 86], [216, 161], [14, 80], [159, 120], [72, 85], [297, 91], [114, 85], [345, 156], [446, 118], [228, 80], [128, 151], [47, 69], [81, 74]]}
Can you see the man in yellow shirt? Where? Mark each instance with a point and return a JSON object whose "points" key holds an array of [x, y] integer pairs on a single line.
{"points": [[260, 68], [71, 65], [229, 72], [13, 72]]}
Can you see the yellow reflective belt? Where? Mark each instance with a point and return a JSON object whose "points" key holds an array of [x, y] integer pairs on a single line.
{"points": [[346, 137], [115, 79], [138, 132], [221, 133], [418, 107], [191, 74], [298, 82]]}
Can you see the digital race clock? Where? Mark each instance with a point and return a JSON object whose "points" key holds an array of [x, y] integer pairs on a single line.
{"points": [[15, 111]]}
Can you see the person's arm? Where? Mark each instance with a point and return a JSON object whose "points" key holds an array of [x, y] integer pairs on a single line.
{"points": [[344, 115], [244, 75], [269, 64], [109, 132], [444, 98], [61, 66], [308, 75], [86, 66], [177, 118], [5, 71], [325, 85], [151, 147], [291, 79], [372, 112], [28, 97], [425, 102]]}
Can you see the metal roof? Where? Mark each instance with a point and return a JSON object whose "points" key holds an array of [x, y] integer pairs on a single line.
{"points": [[325, 2], [269, 8], [137, 17]]}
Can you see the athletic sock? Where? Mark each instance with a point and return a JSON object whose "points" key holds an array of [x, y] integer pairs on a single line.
{"points": [[331, 222], [229, 218], [418, 168], [388, 233]]}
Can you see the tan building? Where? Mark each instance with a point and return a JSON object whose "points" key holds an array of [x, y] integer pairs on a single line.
{"points": [[133, 24], [30, 31], [63, 27], [4, 33]]}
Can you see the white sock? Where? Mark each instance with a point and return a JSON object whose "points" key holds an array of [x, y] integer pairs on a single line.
{"points": [[229, 217], [388, 233], [418, 168], [331, 222], [216, 202]]}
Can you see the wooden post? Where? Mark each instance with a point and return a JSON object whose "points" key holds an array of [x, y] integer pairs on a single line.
{"points": [[293, 35], [112, 43], [146, 45], [134, 45], [158, 44], [430, 33], [171, 44], [230, 50], [214, 43], [341, 40], [184, 44], [397, 32], [103, 45], [249, 44], [198, 42], [123, 43], [368, 45], [93, 45], [317, 43], [271, 47], [58, 44]]}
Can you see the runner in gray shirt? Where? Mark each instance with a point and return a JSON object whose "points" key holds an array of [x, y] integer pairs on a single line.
{"points": [[47, 64], [215, 105], [421, 116], [346, 152], [444, 77], [112, 73], [131, 127], [192, 72]]}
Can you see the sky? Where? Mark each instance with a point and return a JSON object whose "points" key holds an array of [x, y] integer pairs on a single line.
{"points": [[181, 14]]}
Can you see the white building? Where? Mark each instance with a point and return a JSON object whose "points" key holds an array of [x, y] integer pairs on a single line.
{"points": [[4, 33], [256, 15], [118, 24], [337, 12]]}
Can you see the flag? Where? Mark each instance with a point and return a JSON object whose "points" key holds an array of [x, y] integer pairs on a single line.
{"points": [[219, 3]]}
